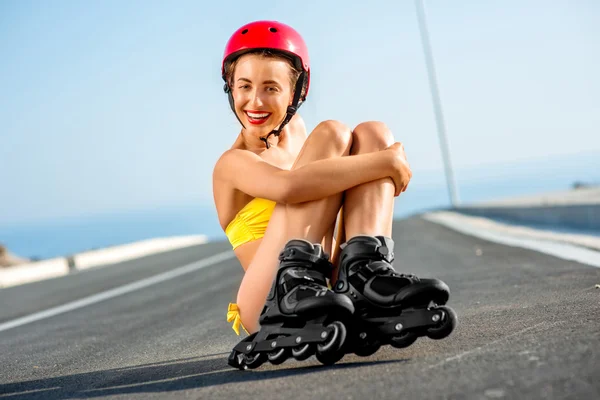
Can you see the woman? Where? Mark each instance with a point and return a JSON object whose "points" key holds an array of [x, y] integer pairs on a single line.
{"points": [[278, 193]]}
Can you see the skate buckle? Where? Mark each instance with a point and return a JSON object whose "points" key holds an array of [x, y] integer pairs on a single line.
{"points": [[383, 250]]}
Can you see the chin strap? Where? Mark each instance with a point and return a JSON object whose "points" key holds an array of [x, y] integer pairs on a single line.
{"points": [[290, 112]]}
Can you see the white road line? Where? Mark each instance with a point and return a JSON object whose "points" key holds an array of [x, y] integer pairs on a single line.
{"points": [[118, 291], [564, 251]]}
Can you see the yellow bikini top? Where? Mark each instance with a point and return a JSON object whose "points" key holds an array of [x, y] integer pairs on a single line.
{"points": [[250, 223]]}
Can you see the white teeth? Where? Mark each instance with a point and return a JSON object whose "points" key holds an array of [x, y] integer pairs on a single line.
{"points": [[254, 115]]}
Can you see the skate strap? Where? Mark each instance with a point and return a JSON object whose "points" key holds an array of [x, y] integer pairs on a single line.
{"points": [[296, 254], [305, 277], [368, 270], [370, 250], [376, 267], [233, 315]]}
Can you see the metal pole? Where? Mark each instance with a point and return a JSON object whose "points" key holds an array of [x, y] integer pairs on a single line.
{"points": [[437, 104]]}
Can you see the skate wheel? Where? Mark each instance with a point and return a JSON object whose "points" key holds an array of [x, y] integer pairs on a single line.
{"points": [[368, 349], [279, 356], [252, 361], [404, 340], [331, 351], [303, 352], [446, 326]]}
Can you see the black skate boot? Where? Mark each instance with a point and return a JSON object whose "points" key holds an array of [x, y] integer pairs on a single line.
{"points": [[301, 316], [390, 308]]}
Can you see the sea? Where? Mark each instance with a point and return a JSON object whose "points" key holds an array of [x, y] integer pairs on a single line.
{"points": [[65, 236]]}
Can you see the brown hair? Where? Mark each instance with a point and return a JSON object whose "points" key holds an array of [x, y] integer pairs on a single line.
{"points": [[267, 53]]}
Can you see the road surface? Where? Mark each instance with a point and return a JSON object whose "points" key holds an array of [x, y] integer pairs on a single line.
{"points": [[529, 328]]}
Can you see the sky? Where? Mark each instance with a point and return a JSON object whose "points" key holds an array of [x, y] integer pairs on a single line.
{"points": [[112, 105]]}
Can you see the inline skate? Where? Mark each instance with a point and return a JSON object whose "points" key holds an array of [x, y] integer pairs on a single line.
{"points": [[390, 308], [301, 316]]}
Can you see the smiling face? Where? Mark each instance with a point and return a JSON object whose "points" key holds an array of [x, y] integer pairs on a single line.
{"points": [[262, 91]]}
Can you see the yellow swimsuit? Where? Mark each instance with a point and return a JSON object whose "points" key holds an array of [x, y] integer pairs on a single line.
{"points": [[249, 224]]}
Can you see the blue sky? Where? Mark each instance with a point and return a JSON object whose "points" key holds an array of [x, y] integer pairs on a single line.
{"points": [[112, 105]]}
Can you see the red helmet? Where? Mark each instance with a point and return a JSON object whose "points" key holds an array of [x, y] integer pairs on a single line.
{"points": [[271, 35]]}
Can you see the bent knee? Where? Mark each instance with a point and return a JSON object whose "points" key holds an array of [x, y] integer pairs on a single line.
{"points": [[334, 134], [371, 136]]}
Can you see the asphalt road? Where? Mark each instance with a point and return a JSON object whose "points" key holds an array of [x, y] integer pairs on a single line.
{"points": [[529, 328]]}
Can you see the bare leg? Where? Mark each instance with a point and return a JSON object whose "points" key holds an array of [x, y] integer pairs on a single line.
{"points": [[369, 208], [310, 221]]}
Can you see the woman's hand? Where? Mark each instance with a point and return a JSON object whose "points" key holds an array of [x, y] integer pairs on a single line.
{"points": [[400, 170]]}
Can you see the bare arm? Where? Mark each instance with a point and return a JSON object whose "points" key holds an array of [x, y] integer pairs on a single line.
{"points": [[323, 178], [319, 179]]}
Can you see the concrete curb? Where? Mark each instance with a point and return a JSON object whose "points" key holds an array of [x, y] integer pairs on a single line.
{"points": [[60, 266], [575, 209], [581, 216], [490, 227]]}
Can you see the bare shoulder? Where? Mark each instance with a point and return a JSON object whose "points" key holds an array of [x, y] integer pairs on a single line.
{"points": [[231, 160]]}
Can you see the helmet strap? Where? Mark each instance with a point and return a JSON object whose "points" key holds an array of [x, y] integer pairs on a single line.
{"points": [[227, 90]]}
